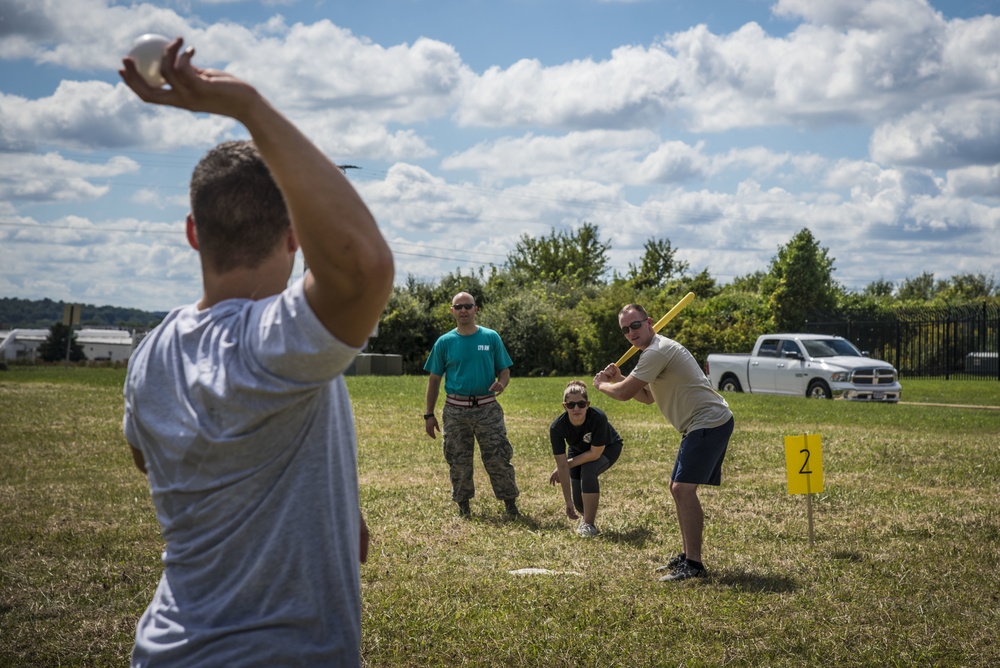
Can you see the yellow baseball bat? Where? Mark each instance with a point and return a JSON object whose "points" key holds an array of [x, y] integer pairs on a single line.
{"points": [[687, 299]]}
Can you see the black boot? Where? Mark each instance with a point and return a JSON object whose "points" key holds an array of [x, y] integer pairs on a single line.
{"points": [[511, 505]]}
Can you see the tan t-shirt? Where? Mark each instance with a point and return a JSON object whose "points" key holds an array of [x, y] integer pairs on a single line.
{"points": [[682, 391]]}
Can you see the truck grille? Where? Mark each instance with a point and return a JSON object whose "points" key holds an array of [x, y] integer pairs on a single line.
{"points": [[874, 377]]}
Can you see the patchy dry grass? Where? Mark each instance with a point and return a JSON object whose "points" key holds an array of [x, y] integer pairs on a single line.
{"points": [[904, 570]]}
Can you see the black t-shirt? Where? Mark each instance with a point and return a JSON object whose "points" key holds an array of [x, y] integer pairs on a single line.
{"points": [[595, 430]]}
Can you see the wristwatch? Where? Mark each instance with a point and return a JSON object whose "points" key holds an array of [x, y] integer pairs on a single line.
{"points": [[428, 416]]}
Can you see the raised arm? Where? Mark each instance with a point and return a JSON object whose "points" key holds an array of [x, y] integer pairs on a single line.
{"points": [[351, 267]]}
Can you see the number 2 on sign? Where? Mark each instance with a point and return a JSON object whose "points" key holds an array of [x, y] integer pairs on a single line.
{"points": [[804, 463]]}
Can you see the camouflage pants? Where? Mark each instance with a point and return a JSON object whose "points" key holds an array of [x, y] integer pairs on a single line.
{"points": [[484, 424]]}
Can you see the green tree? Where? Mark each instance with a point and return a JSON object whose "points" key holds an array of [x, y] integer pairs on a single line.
{"points": [[577, 257], [658, 265], [538, 336], [53, 348], [749, 282], [739, 318], [921, 288], [799, 282], [701, 284], [879, 289], [407, 328], [969, 287], [455, 282], [26, 313]]}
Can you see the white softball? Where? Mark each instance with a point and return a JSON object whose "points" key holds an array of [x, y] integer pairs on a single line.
{"points": [[147, 53]]}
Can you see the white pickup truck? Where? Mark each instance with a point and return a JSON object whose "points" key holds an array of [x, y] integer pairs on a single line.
{"points": [[811, 365]]}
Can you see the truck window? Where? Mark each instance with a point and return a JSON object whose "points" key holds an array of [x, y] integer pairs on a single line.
{"points": [[789, 347], [768, 348], [831, 348]]}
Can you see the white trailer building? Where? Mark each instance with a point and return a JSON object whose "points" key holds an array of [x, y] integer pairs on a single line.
{"points": [[112, 345]]}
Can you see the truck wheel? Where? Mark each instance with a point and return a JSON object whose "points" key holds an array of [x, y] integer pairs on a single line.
{"points": [[819, 390], [730, 384]]}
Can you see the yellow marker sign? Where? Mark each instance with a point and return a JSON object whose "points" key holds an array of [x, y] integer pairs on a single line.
{"points": [[804, 461]]}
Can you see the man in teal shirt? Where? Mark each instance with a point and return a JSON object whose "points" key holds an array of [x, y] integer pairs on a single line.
{"points": [[476, 368]]}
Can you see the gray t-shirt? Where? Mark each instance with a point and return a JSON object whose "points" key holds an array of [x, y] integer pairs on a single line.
{"points": [[246, 427], [682, 391]]}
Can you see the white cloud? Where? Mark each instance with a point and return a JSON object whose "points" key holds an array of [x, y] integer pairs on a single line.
{"points": [[596, 155], [51, 178], [327, 70], [345, 89], [674, 162], [95, 114], [859, 14], [633, 157], [974, 182], [125, 262], [850, 62], [84, 35], [158, 199], [629, 90], [962, 132]]}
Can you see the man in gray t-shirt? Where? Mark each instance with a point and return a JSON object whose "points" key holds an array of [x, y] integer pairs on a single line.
{"points": [[668, 375], [235, 406]]}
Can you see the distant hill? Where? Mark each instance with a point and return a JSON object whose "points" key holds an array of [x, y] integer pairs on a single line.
{"points": [[39, 314]]}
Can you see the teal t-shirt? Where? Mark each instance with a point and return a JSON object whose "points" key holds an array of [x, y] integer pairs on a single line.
{"points": [[469, 363]]}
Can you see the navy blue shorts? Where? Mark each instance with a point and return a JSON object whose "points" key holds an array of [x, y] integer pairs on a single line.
{"points": [[699, 459]]}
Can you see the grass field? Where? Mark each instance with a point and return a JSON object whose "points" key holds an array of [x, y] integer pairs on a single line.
{"points": [[904, 571]]}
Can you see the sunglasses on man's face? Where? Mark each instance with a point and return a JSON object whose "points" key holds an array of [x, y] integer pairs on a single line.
{"points": [[459, 307], [575, 404], [635, 325]]}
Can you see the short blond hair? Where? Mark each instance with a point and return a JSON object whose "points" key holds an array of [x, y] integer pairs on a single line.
{"points": [[575, 387]]}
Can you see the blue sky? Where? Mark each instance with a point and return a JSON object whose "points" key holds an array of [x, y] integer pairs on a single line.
{"points": [[725, 127]]}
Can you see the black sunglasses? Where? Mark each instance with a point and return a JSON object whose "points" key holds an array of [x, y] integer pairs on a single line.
{"points": [[575, 404], [635, 325], [459, 307]]}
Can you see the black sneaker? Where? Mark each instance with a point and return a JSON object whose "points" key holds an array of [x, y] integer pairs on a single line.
{"points": [[463, 509], [674, 563], [684, 572], [511, 505]]}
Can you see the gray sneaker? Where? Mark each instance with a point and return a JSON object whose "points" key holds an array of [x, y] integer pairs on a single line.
{"points": [[684, 572], [673, 564], [587, 530]]}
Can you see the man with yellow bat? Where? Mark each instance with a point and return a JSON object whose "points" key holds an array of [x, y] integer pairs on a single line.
{"points": [[668, 375]]}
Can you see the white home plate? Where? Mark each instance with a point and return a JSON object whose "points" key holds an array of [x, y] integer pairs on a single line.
{"points": [[540, 571]]}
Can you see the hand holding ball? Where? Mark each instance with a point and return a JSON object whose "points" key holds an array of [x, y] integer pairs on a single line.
{"points": [[147, 53]]}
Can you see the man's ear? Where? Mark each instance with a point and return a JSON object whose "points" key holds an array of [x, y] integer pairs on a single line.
{"points": [[292, 241], [192, 233]]}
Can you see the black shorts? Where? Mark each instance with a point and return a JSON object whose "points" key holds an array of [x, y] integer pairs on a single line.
{"points": [[699, 459]]}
